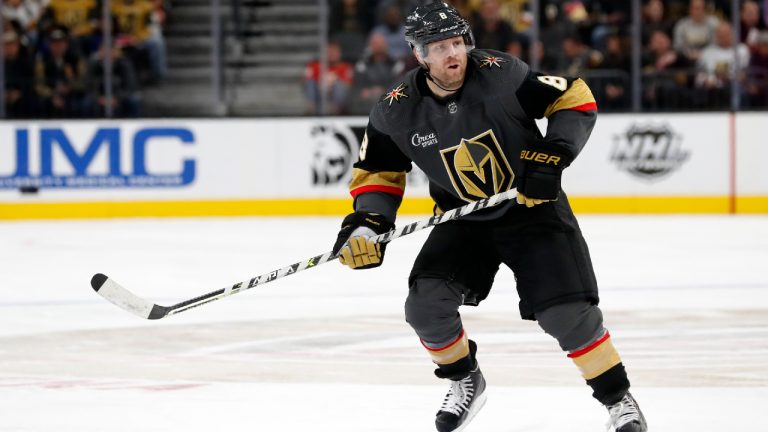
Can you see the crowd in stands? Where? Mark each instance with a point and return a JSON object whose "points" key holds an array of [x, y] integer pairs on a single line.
{"points": [[54, 56], [687, 58]]}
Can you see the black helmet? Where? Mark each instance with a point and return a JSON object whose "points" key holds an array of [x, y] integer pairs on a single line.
{"points": [[434, 22]]}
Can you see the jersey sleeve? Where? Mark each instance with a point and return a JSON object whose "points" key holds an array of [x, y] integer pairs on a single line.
{"points": [[566, 102], [378, 177]]}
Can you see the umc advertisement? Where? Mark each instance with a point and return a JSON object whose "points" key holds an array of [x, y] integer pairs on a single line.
{"points": [[632, 163]]}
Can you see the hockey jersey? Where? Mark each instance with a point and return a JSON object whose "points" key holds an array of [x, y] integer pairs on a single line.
{"points": [[469, 144]]}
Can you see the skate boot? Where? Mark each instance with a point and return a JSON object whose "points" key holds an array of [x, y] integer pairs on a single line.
{"points": [[464, 399], [626, 416]]}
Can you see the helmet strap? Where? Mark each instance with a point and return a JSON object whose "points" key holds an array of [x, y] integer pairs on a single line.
{"points": [[429, 77], [425, 66]]}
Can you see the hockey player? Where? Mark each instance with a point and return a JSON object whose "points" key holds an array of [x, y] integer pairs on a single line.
{"points": [[466, 118]]}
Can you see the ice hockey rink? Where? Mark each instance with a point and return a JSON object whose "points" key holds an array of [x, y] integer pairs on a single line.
{"points": [[685, 298]]}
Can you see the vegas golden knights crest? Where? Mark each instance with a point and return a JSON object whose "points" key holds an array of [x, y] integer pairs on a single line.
{"points": [[478, 167]]}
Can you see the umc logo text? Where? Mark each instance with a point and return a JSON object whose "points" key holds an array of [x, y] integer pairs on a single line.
{"points": [[52, 157]]}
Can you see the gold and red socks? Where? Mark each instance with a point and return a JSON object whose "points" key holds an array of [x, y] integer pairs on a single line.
{"points": [[601, 367], [454, 360]]}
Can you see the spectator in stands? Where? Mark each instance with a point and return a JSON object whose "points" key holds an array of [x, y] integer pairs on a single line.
{"points": [[59, 76], [666, 74], [576, 56], [491, 32], [751, 24], [695, 31], [757, 86], [81, 17], [393, 30], [138, 27], [608, 16], [612, 88], [373, 73], [24, 14], [655, 19], [677, 9], [334, 85], [716, 65], [125, 101], [518, 47], [350, 23], [554, 29], [660, 56], [19, 86]]}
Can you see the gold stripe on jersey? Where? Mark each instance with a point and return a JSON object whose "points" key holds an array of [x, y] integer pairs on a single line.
{"points": [[392, 182], [577, 96]]}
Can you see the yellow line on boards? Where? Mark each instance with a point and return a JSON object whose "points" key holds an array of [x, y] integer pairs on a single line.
{"points": [[341, 206]]}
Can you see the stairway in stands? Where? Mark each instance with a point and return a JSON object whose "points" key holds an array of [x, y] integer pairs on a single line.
{"points": [[263, 59]]}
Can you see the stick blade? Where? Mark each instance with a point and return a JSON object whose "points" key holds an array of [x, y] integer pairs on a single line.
{"points": [[126, 300]]}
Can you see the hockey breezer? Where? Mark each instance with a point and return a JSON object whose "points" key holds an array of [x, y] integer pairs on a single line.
{"points": [[125, 299]]}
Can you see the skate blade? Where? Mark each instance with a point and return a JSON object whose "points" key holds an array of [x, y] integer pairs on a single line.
{"points": [[475, 408]]}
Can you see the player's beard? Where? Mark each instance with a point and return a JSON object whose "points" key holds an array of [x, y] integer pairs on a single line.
{"points": [[449, 79]]}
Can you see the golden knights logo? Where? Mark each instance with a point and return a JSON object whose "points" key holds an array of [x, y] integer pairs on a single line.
{"points": [[396, 93], [477, 167], [649, 152], [491, 61]]}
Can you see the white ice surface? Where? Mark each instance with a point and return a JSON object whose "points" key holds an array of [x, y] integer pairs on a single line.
{"points": [[686, 299]]}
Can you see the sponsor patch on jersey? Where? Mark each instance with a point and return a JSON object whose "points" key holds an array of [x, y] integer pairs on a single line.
{"points": [[423, 139], [396, 94]]}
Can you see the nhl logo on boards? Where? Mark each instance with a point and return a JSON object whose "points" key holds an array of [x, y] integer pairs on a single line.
{"points": [[649, 152], [453, 108]]}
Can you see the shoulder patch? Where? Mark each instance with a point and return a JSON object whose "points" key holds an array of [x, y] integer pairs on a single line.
{"points": [[395, 94], [490, 61]]}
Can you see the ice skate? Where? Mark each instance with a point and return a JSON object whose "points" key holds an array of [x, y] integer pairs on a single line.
{"points": [[464, 399], [626, 416]]}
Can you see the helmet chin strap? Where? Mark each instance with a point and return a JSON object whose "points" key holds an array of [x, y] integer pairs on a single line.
{"points": [[429, 77]]}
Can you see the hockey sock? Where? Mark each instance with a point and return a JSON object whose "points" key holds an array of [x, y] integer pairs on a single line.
{"points": [[455, 358], [450, 352], [601, 367]]}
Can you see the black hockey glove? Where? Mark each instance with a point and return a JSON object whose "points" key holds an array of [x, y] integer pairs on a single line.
{"points": [[543, 165], [357, 251]]}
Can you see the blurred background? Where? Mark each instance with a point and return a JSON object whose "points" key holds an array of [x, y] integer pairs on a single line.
{"points": [[240, 58]]}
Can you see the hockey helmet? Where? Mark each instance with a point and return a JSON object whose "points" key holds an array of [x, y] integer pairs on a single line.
{"points": [[435, 22]]}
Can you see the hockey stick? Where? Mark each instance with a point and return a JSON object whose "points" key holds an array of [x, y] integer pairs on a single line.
{"points": [[125, 299]]}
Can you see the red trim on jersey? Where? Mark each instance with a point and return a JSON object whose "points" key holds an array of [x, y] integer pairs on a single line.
{"points": [[592, 346], [377, 188], [461, 335], [591, 106]]}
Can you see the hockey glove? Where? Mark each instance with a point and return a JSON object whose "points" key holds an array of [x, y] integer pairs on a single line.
{"points": [[543, 165], [357, 251]]}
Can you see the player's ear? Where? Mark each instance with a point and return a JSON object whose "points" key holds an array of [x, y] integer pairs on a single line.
{"points": [[418, 56]]}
